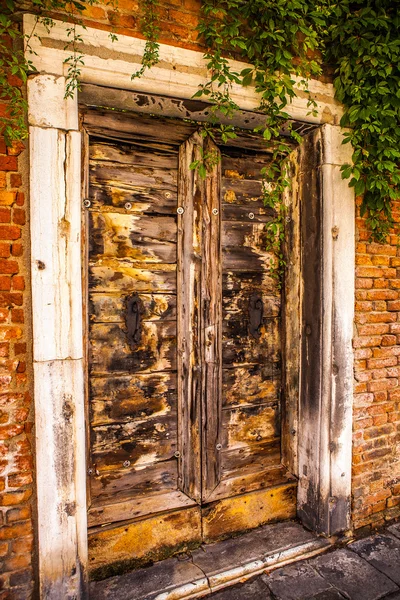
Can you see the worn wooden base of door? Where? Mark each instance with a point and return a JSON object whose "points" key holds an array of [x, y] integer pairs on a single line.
{"points": [[134, 544]]}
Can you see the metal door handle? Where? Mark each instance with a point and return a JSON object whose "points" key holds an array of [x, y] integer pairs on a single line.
{"points": [[134, 311], [256, 311]]}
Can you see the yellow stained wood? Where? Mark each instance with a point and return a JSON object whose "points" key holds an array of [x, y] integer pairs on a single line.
{"points": [[241, 513], [153, 538]]}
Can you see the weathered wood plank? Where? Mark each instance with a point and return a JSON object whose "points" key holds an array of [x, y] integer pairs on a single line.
{"points": [[257, 384], [191, 194], [139, 442], [250, 457], [133, 177], [122, 484], [140, 238], [241, 348], [291, 320], [250, 214], [250, 424], [128, 397], [244, 247], [236, 305], [242, 284], [236, 165], [152, 200], [136, 127], [114, 275], [140, 506], [131, 154], [245, 192], [110, 351], [211, 312], [247, 480], [132, 545], [241, 513], [111, 308]]}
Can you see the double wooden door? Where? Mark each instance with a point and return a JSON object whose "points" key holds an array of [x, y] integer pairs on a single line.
{"points": [[184, 360]]}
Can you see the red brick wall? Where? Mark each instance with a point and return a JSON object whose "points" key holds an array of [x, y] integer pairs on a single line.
{"points": [[376, 450], [16, 462]]}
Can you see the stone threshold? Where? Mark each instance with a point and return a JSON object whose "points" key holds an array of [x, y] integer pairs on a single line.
{"points": [[214, 566]]}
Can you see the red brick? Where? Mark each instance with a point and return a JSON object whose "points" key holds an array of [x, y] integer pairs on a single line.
{"points": [[5, 283], [18, 283], [9, 232], [5, 250], [389, 340], [17, 315], [19, 216], [15, 531], [17, 249], [15, 180], [20, 348], [8, 266], [8, 163]]}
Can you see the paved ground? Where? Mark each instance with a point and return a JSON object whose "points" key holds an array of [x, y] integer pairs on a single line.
{"points": [[368, 569]]}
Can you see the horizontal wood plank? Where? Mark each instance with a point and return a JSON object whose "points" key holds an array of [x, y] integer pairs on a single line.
{"points": [[133, 177], [139, 442], [113, 275], [101, 151], [109, 351], [258, 384], [241, 348], [115, 399], [151, 200], [118, 485], [140, 506], [136, 127], [249, 425], [111, 308], [140, 238]]}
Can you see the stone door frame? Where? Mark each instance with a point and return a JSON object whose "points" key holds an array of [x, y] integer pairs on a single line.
{"points": [[324, 424]]}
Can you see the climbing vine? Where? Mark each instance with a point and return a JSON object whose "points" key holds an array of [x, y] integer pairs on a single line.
{"points": [[285, 43]]}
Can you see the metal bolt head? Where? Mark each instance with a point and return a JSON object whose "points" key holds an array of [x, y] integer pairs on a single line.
{"points": [[177, 454], [126, 463], [219, 446], [180, 210], [167, 194], [215, 211], [90, 471], [86, 203], [251, 215], [128, 205]]}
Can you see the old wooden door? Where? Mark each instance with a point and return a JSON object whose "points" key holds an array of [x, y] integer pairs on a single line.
{"points": [[184, 359]]}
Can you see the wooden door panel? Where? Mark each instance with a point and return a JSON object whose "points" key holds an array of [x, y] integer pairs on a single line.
{"points": [[133, 389], [251, 412]]}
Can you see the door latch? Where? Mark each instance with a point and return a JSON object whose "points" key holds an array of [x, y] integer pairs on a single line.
{"points": [[256, 312], [134, 311]]}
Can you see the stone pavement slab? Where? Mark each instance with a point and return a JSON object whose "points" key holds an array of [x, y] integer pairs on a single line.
{"points": [[353, 575], [331, 594], [255, 545], [382, 552], [295, 582], [252, 590], [150, 582]]}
